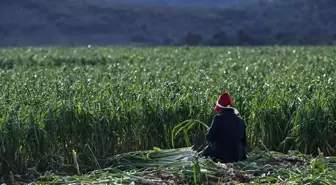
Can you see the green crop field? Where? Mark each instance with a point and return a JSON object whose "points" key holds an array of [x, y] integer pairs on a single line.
{"points": [[74, 114]]}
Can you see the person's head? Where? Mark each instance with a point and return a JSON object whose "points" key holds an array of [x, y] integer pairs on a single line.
{"points": [[224, 100]]}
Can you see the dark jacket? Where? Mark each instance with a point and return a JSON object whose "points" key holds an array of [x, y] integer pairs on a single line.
{"points": [[227, 137]]}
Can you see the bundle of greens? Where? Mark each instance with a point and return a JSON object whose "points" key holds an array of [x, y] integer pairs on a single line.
{"points": [[185, 166]]}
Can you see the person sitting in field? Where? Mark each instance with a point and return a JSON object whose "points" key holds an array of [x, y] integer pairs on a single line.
{"points": [[227, 134]]}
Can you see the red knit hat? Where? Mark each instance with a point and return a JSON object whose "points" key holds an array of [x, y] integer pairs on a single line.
{"points": [[224, 100]]}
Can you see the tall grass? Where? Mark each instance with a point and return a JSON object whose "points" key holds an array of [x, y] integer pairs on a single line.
{"points": [[100, 102]]}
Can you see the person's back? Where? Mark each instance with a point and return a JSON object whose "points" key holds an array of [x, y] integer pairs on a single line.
{"points": [[227, 135]]}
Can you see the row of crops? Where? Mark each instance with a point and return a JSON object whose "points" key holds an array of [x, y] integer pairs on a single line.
{"points": [[99, 102]]}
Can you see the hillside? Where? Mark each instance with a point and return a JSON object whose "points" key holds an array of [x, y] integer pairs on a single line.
{"points": [[101, 22]]}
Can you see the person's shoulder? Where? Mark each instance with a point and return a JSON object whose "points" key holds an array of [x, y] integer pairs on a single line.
{"points": [[241, 120], [219, 116]]}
